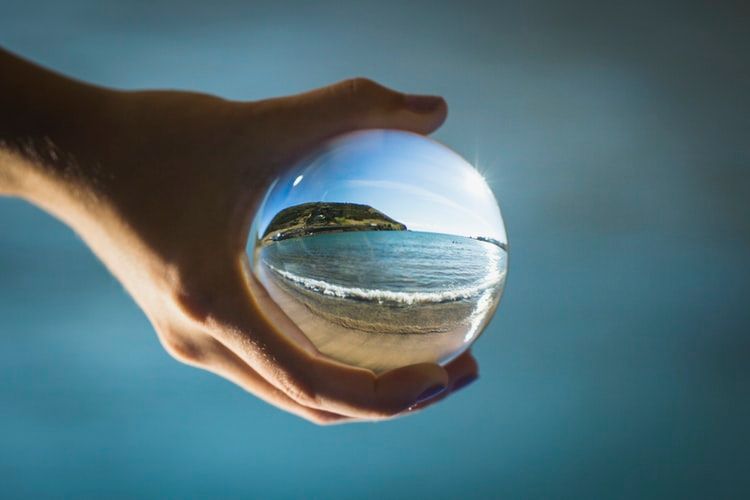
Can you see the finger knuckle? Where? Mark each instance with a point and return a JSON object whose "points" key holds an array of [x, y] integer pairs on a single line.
{"points": [[302, 393], [376, 414], [360, 88], [387, 408], [195, 306], [195, 294], [323, 419], [183, 350]]}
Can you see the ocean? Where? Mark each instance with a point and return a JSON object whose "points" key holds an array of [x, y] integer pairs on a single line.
{"points": [[380, 299]]}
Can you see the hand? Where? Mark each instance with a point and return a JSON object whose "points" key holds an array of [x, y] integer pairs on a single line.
{"points": [[163, 186]]}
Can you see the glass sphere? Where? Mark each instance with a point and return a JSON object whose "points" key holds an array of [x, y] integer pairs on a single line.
{"points": [[384, 247]]}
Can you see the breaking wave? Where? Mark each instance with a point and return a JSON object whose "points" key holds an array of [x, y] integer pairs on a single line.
{"points": [[493, 278]]}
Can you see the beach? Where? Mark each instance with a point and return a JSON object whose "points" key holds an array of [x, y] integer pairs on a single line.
{"points": [[382, 319]]}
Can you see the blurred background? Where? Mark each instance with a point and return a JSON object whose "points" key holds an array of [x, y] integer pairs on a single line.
{"points": [[618, 366]]}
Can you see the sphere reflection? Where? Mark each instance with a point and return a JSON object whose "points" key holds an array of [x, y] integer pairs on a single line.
{"points": [[384, 247]]}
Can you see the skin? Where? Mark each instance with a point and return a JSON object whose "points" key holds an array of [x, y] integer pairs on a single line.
{"points": [[162, 186]]}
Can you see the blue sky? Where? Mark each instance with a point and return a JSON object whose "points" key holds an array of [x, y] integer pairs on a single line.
{"points": [[412, 179]]}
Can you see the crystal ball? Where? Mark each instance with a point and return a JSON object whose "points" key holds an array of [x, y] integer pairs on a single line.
{"points": [[384, 247]]}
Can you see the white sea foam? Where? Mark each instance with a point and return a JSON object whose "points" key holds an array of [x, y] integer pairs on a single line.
{"points": [[493, 278]]}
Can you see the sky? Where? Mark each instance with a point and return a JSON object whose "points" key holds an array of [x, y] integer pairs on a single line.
{"points": [[416, 181]]}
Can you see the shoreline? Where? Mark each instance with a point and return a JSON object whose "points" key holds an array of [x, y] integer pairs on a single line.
{"points": [[375, 351]]}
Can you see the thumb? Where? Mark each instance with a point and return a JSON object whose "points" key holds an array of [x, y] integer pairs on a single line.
{"points": [[309, 118]]}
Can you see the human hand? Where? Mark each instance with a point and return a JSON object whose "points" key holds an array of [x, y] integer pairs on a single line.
{"points": [[163, 186]]}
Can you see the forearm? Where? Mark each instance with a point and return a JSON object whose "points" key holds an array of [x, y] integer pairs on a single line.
{"points": [[47, 127], [106, 163], [56, 141]]}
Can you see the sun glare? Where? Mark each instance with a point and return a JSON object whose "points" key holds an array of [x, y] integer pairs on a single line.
{"points": [[475, 182]]}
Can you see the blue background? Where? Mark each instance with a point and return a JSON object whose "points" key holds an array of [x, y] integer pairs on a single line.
{"points": [[616, 140]]}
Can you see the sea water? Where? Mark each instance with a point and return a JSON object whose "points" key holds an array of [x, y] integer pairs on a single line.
{"points": [[382, 299]]}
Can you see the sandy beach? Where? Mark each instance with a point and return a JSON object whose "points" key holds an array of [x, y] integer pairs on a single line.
{"points": [[363, 345]]}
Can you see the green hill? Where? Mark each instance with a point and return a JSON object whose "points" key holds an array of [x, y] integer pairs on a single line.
{"points": [[323, 217]]}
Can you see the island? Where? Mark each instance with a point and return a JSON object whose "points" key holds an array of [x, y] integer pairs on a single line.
{"points": [[493, 241], [312, 218]]}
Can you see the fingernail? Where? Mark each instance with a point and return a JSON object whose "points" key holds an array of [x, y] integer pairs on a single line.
{"points": [[429, 393], [422, 103], [463, 382]]}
